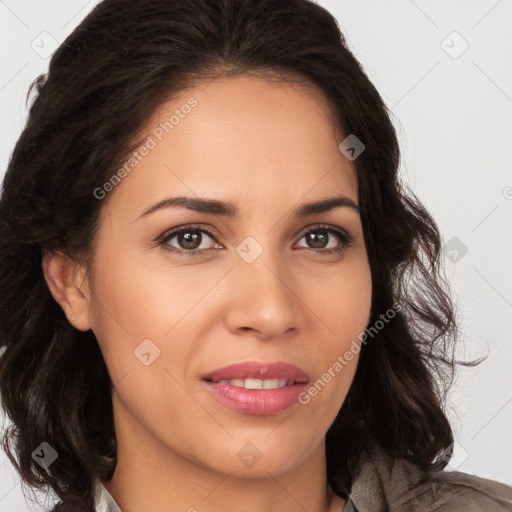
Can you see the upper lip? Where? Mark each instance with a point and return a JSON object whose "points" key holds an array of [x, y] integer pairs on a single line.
{"points": [[257, 370]]}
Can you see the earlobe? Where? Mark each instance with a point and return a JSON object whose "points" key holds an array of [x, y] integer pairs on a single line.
{"points": [[68, 286]]}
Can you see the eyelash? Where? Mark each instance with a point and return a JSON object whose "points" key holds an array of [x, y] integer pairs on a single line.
{"points": [[346, 239]]}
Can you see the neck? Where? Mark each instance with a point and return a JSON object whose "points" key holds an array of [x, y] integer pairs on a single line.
{"points": [[151, 476]]}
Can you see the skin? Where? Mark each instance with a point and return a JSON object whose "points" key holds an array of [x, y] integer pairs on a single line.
{"points": [[267, 147]]}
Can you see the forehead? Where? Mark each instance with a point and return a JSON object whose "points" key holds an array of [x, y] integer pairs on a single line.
{"points": [[247, 140]]}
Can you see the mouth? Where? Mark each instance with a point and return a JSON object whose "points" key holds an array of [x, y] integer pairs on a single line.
{"points": [[257, 388]]}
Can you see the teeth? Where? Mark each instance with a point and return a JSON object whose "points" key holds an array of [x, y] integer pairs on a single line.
{"points": [[274, 383], [256, 383]]}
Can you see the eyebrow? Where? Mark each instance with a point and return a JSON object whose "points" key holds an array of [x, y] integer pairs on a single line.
{"points": [[216, 207]]}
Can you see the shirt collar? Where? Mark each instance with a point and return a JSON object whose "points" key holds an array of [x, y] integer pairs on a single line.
{"points": [[103, 500]]}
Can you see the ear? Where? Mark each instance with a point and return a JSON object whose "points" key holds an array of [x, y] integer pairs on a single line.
{"points": [[67, 282]]}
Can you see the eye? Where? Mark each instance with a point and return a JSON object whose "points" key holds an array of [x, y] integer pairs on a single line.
{"points": [[190, 240], [320, 237]]}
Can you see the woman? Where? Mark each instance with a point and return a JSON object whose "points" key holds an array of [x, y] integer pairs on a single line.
{"points": [[216, 293]]}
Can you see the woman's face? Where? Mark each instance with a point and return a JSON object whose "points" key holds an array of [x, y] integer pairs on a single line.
{"points": [[266, 285]]}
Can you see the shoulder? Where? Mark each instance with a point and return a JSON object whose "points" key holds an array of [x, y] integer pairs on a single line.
{"points": [[466, 491], [382, 483]]}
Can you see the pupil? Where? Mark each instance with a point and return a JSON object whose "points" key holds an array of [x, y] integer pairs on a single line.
{"points": [[318, 241], [190, 241]]}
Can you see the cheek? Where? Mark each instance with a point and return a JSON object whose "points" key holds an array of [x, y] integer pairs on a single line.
{"points": [[345, 312], [353, 300], [137, 298], [150, 295], [354, 307], [137, 312], [341, 298]]}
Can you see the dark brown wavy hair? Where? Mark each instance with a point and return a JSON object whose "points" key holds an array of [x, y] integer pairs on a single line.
{"points": [[104, 82]]}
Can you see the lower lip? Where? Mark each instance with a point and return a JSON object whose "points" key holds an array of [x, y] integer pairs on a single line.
{"points": [[259, 402]]}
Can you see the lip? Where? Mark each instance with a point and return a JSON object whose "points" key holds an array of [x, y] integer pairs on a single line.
{"points": [[260, 402], [257, 370]]}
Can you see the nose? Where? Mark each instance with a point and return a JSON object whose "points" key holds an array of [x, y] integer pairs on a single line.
{"points": [[264, 296]]}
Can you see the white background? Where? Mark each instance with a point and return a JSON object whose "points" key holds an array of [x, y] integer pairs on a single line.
{"points": [[452, 110]]}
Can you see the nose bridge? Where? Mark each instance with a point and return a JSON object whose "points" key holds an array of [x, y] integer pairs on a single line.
{"points": [[262, 259]]}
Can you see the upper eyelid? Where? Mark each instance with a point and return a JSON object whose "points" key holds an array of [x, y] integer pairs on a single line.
{"points": [[171, 233]]}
